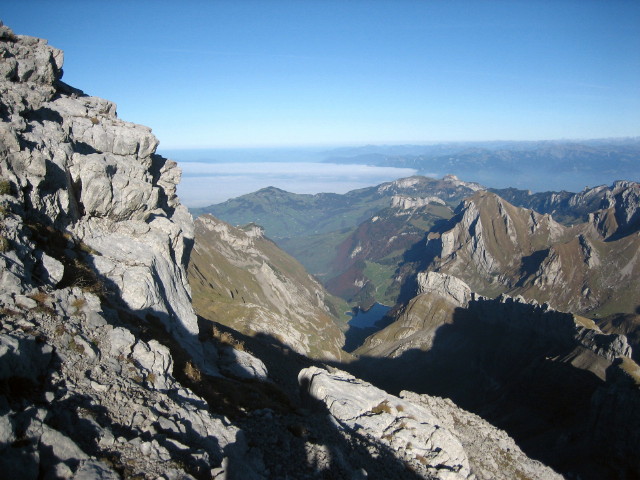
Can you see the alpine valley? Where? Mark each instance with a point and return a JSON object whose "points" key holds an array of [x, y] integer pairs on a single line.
{"points": [[136, 342], [520, 307]]}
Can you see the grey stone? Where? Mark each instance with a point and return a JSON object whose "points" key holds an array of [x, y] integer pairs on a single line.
{"points": [[155, 358], [7, 434], [62, 447], [95, 470], [95, 319], [53, 267], [26, 302], [415, 434], [241, 364], [121, 341], [23, 357], [22, 463]]}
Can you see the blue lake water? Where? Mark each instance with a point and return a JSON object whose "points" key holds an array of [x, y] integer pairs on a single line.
{"points": [[362, 319]]}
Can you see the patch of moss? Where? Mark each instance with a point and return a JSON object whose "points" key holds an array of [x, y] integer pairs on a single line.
{"points": [[382, 407], [5, 187], [5, 246]]}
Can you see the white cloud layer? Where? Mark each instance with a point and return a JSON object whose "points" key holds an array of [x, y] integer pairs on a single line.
{"points": [[209, 183]]}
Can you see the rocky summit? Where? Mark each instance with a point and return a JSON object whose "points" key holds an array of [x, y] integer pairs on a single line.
{"points": [[589, 267], [106, 372]]}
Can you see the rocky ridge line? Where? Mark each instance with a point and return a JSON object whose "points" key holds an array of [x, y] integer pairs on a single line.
{"points": [[498, 248]]}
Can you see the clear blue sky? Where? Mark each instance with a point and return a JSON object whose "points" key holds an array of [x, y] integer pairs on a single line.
{"points": [[261, 73]]}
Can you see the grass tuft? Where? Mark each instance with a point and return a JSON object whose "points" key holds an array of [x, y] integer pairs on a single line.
{"points": [[5, 187], [76, 347], [78, 304], [383, 407], [192, 372], [226, 338], [5, 246]]}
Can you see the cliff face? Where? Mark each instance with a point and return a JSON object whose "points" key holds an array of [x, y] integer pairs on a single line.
{"points": [[574, 208], [74, 167], [498, 248], [243, 280], [95, 305]]}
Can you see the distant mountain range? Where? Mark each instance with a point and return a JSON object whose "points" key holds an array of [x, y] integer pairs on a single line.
{"points": [[539, 166], [367, 244]]}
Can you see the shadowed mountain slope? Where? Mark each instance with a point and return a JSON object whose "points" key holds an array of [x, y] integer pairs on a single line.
{"points": [[538, 373]]}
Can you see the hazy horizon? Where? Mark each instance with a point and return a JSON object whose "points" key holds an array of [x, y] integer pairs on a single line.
{"points": [[213, 176]]}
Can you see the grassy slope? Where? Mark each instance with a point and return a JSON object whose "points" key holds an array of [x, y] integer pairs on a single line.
{"points": [[229, 287]]}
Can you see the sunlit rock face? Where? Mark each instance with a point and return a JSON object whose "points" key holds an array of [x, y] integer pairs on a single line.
{"points": [[94, 296], [76, 167], [496, 247]]}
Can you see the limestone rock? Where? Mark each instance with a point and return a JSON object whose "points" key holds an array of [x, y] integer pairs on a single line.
{"points": [[54, 269], [22, 357], [492, 453], [407, 203], [447, 286], [96, 178], [95, 256], [413, 432], [239, 364]]}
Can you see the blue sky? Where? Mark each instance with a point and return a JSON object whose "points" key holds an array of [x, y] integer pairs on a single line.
{"points": [[267, 73]]}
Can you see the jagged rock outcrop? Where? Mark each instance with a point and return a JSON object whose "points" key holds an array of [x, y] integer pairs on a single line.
{"points": [[413, 432], [498, 248], [433, 436], [82, 398], [491, 236], [73, 166], [491, 452], [620, 212], [243, 280], [407, 203], [94, 245], [574, 208], [441, 294]]}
